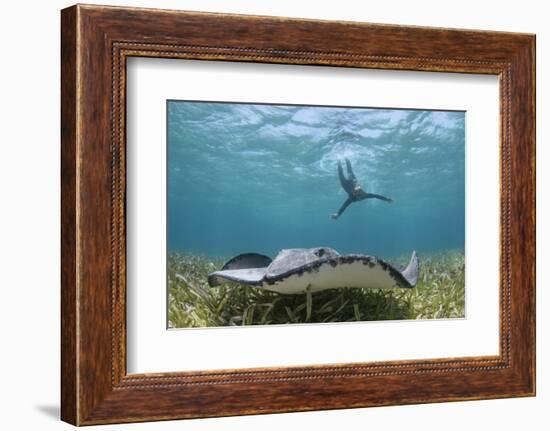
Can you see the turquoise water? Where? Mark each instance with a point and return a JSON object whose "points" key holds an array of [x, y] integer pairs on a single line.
{"points": [[260, 178]]}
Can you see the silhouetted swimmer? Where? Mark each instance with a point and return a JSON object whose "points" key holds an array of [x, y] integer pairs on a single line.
{"points": [[353, 189]]}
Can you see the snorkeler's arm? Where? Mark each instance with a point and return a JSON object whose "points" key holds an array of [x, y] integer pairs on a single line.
{"points": [[374, 196], [342, 208]]}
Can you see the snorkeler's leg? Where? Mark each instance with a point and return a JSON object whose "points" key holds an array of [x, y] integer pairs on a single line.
{"points": [[342, 208], [374, 196], [341, 174], [347, 185], [351, 175]]}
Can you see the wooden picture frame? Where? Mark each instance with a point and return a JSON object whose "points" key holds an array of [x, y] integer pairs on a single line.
{"points": [[95, 43]]}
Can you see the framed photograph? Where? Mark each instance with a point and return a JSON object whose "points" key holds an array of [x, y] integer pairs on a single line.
{"points": [[322, 214], [222, 179]]}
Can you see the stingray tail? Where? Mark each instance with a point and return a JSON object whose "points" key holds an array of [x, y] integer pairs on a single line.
{"points": [[411, 271]]}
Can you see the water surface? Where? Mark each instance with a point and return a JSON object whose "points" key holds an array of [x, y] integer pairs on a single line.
{"points": [[260, 178]]}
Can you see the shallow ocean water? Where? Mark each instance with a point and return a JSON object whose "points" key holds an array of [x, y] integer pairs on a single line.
{"points": [[260, 178]]}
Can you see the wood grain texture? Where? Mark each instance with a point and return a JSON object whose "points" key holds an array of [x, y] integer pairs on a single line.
{"points": [[69, 397], [96, 41]]}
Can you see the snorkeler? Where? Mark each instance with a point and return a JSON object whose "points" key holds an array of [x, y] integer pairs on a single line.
{"points": [[353, 189]]}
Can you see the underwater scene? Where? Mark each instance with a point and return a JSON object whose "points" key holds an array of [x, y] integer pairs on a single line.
{"points": [[287, 214]]}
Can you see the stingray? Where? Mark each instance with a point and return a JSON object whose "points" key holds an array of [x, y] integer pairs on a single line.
{"points": [[300, 270]]}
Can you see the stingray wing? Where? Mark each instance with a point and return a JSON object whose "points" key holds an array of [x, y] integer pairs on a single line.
{"points": [[247, 260], [358, 271], [410, 273], [247, 268], [249, 276]]}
